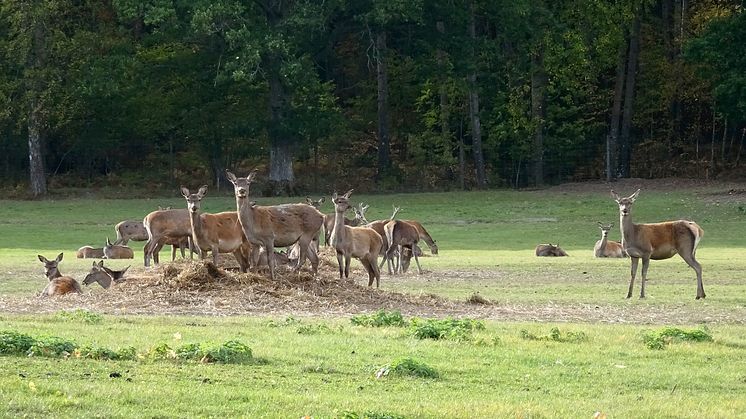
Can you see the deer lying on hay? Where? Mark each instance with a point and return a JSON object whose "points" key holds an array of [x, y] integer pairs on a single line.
{"points": [[277, 225], [606, 248], [217, 233], [103, 275], [362, 243], [117, 251], [549, 249], [58, 284], [88, 252], [657, 241]]}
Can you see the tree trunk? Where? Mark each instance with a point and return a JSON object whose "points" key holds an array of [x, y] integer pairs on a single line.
{"points": [[629, 96], [384, 142], [538, 112], [445, 129], [36, 119], [476, 125], [461, 156], [280, 145], [612, 144]]}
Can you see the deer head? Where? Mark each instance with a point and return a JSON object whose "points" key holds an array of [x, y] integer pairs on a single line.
{"points": [[625, 204], [315, 203], [194, 199], [51, 269], [241, 184], [342, 203], [605, 228]]}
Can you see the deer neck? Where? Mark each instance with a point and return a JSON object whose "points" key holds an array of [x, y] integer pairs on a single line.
{"points": [[627, 228], [55, 273], [245, 214], [338, 231], [196, 222]]}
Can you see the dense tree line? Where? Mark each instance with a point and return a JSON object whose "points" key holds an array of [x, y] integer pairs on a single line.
{"points": [[384, 94]]}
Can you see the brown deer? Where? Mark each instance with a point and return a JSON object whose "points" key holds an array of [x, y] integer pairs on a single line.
{"points": [[359, 220], [402, 235], [278, 225], [103, 275], [363, 243], [550, 250], [378, 226], [217, 233], [407, 257], [606, 248], [88, 252], [116, 251], [425, 236], [135, 230], [58, 284], [657, 241], [165, 227]]}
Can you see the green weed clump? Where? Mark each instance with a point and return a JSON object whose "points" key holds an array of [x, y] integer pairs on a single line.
{"points": [[555, 335], [368, 415], [230, 352], [408, 367], [52, 346], [313, 329], [100, 353], [80, 315], [659, 339], [289, 321], [14, 343], [448, 329], [380, 318]]}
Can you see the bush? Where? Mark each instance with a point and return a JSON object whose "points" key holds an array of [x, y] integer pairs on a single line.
{"points": [[52, 346], [450, 329], [14, 343], [408, 367], [665, 336], [380, 318], [230, 352]]}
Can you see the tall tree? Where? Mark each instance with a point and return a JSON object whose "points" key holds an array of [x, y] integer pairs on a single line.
{"points": [[474, 116], [629, 96]]}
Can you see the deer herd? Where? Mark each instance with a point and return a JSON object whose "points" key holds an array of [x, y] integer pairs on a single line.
{"points": [[253, 232]]}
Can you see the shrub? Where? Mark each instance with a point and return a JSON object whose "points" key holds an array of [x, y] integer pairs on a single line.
{"points": [[665, 336], [80, 315], [408, 367], [380, 318], [52, 346], [14, 343], [230, 352], [451, 329]]}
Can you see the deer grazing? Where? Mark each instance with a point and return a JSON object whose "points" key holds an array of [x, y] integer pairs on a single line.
{"points": [[363, 243], [88, 252], [657, 241], [378, 226], [103, 275], [425, 236], [165, 227], [116, 251], [606, 248], [217, 233], [402, 235], [549, 249], [58, 284], [277, 225]]}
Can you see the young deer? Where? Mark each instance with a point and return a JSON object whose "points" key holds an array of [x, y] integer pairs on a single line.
{"points": [[425, 236], [58, 284], [88, 252], [606, 248], [550, 250], [217, 233], [378, 226], [115, 251], [363, 243], [359, 220], [277, 225], [166, 227], [103, 275], [402, 235], [657, 241]]}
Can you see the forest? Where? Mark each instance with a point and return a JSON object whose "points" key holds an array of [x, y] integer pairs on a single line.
{"points": [[379, 95]]}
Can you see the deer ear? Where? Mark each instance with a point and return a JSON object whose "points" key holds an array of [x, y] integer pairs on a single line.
{"points": [[308, 200], [334, 196], [42, 259], [59, 257], [615, 195], [108, 242], [347, 195], [202, 191], [251, 176], [231, 177], [185, 191], [634, 195], [101, 263]]}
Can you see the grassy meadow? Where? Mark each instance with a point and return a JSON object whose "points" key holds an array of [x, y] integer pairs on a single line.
{"points": [[324, 366]]}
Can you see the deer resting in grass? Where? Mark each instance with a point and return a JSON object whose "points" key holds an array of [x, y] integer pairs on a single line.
{"points": [[166, 227], [362, 243], [58, 284], [116, 251], [549, 249], [217, 233], [402, 235], [657, 241], [277, 225], [88, 252], [103, 275], [606, 248]]}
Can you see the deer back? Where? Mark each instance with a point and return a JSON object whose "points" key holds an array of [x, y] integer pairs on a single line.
{"points": [[549, 250], [286, 222], [424, 236], [130, 230], [87, 252], [222, 229], [60, 286], [171, 223], [378, 227], [117, 251]]}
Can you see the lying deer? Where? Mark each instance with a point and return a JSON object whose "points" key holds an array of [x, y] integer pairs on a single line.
{"points": [[402, 235], [657, 241], [216, 233], [165, 227], [88, 252], [116, 251], [103, 275], [549, 250], [606, 248], [58, 284], [362, 243], [277, 225]]}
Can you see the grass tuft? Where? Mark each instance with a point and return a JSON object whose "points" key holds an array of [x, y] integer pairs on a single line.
{"points": [[80, 315], [556, 335], [659, 339], [408, 367], [448, 329], [380, 318], [368, 415]]}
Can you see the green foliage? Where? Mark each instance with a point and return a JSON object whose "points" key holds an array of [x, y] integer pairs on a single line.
{"points": [[661, 338], [52, 346], [380, 318], [313, 329], [408, 367], [289, 321], [80, 315], [102, 353], [447, 329], [230, 352], [348, 414], [15, 343], [555, 335]]}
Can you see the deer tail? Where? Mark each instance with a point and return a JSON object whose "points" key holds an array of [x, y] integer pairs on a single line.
{"points": [[697, 232], [389, 230]]}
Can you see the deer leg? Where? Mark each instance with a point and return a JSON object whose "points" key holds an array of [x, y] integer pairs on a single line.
{"points": [[313, 256], [634, 262], [340, 263], [215, 253], [348, 260], [417, 260], [302, 251], [369, 269], [645, 265], [691, 261], [377, 273], [157, 251], [145, 251], [173, 252], [190, 243], [269, 246]]}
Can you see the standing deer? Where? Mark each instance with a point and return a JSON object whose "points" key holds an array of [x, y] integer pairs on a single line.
{"points": [[657, 241], [58, 284], [165, 227], [359, 220], [378, 226], [217, 233], [550, 250], [402, 235], [606, 248], [277, 225], [425, 236], [135, 230], [363, 243], [88, 252], [116, 251]]}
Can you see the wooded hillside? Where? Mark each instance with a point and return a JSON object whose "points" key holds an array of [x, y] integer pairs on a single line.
{"points": [[393, 95]]}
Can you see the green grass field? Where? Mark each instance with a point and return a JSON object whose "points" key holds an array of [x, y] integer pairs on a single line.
{"points": [[321, 365]]}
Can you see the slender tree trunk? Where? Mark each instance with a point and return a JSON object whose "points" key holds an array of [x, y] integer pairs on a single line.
{"points": [[281, 150], [461, 156], [725, 138], [629, 96], [384, 142], [740, 147], [538, 112], [711, 170], [445, 129], [36, 119], [612, 146], [476, 125]]}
